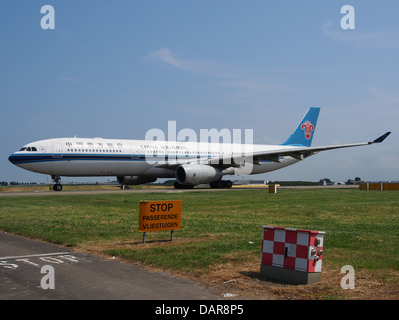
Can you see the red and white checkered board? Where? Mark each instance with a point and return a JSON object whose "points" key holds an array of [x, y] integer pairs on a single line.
{"points": [[292, 248]]}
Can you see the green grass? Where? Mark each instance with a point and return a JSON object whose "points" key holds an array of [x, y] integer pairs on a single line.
{"points": [[362, 227]]}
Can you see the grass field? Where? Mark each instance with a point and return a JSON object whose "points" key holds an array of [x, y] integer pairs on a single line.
{"points": [[220, 238]]}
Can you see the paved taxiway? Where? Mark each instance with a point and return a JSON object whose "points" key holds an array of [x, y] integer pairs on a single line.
{"points": [[80, 276]]}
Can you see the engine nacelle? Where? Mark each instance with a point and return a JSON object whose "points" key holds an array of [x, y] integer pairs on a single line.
{"points": [[195, 174], [134, 180]]}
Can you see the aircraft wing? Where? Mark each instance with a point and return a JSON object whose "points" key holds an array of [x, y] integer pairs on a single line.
{"points": [[274, 155], [299, 153]]}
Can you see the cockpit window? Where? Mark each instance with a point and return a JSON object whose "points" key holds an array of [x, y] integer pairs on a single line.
{"points": [[28, 149]]}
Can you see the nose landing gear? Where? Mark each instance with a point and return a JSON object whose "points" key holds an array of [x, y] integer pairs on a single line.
{"points": [[57, 186]]}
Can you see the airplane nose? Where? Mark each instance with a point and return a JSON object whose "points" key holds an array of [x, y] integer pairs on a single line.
{"points": [[12, 159]]}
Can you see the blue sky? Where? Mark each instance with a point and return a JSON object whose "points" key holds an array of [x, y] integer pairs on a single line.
{"points": [[116, 69]]}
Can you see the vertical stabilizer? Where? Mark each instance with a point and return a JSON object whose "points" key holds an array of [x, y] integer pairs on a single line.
{"points": [[303, 134]]}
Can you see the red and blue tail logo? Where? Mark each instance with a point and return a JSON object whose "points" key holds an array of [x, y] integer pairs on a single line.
{"points": [[308, 127]]}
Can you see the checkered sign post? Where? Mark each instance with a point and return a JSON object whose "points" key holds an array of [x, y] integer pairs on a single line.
{"points": [[292, 255]]}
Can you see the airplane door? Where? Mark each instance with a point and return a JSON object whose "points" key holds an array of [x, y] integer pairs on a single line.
{"points": [[57, 150]]}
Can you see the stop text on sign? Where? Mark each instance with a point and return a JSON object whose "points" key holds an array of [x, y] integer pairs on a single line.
{"points": [[160, 215]]}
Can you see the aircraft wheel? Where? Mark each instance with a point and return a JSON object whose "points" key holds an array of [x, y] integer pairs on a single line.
{"points": [[217, 184], [228, 184], [182, 186], [177, 185], [221, 184], [214, 185], [57, 187]]}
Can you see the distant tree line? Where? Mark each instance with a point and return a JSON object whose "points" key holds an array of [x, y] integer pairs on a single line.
{"points": [[14, 183], [294, 183]]}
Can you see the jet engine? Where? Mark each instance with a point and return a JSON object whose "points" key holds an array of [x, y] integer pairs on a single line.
{"points": [[134, 180], [194, 174]]}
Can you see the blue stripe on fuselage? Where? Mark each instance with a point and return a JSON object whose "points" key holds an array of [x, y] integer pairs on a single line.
{"points": [[30, 158], [36, 158], [45, 157]]}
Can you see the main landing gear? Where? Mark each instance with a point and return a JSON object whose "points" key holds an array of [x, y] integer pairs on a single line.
{"points": [[182, 186], [57, 186], [221, 184]]}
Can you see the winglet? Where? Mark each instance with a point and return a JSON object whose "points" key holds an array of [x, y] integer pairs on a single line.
{"points": [[382, 138]]}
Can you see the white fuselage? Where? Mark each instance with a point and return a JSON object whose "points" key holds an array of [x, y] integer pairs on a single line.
{"points": [[111, 157], [191, 163]]}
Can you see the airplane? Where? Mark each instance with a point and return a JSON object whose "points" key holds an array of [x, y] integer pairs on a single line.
{"points": [[136, 162]]}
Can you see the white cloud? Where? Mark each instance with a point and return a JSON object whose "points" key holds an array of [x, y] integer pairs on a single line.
{"points": [[247, 82], [252, 85], [166, 56], [373, 39], [73, 80], [345, 35]]}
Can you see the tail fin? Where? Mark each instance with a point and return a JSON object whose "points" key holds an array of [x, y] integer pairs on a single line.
{"points": [[303, 134]]}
